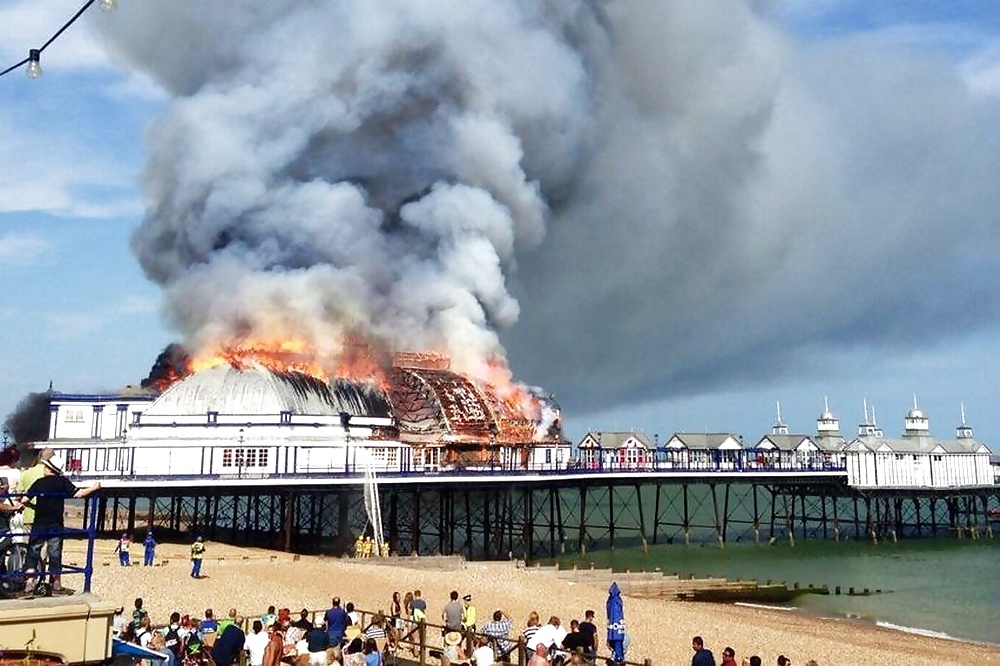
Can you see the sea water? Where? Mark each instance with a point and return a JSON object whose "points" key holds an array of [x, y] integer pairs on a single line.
{"points": [[945, 587]]}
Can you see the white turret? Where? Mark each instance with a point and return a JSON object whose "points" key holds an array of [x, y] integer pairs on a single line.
{"points": [[779, 428], [915, 424], [869, 428], [827, 423], [964, 431]]}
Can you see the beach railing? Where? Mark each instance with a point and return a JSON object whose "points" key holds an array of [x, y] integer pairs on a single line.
{"points": [[414, 635]]}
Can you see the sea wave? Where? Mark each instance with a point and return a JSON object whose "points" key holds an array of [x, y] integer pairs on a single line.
{"points": [[919, 632], [765, 606]]}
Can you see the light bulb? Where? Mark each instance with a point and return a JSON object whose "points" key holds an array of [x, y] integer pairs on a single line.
{"points": [[34, 68], [108, 5]]}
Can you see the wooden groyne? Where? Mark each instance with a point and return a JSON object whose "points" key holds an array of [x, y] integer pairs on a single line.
{"points": [[660, 585]]}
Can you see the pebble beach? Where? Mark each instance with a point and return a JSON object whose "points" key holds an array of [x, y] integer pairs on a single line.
{"points": [[251, 579]]}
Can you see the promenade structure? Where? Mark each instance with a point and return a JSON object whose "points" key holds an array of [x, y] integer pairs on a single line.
{"points": [[281, 459]]}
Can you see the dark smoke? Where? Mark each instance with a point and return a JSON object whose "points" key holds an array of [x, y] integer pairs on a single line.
{"points": [[29, 422], [671, 197], [169, 366]]}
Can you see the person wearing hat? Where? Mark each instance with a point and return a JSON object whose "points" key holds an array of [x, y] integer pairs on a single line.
{"points": [[197, 554], [148, 549], [124, 543], [468, 614], [28, 477], [47, 496], [453, 648]]}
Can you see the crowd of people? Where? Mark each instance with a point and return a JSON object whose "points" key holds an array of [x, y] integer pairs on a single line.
{"points": [[704, 657], [343, 636]]}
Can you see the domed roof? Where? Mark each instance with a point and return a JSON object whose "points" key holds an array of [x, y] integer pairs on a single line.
{"points": [[258, 390], [915, 414], [827, 416]]}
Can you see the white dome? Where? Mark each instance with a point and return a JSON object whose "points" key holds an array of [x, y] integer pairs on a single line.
{"points": [[257, 390]]}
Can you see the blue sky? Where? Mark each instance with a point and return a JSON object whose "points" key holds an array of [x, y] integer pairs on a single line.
{"points": [[78, 311]]}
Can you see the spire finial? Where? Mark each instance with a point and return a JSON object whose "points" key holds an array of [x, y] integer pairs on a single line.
{"points": [[962, 405]]}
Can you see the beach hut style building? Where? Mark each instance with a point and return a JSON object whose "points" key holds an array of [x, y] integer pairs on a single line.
{"points": [[779, 450], [693, 450], [916, 460], [616, 450]]}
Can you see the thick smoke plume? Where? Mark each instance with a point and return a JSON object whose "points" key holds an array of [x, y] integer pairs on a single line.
{"points": [[353, 170], [690, 196], [29, 422], [170, 365]]}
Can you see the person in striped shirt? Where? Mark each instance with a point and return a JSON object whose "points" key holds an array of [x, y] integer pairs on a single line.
{"points": [[499, 632]]}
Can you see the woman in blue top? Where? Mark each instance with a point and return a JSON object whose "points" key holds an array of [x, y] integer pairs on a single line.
{"points": [[372, 656]]}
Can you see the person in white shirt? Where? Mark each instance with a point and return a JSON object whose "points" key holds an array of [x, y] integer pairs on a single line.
{"points": [[548, 634], [483, 654], [256, 642]]}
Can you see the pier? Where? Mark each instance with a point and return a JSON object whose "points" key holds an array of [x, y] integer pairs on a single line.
{"points": [[528, 515]]}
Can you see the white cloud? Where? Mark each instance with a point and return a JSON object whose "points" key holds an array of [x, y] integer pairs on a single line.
{"points": [[982, 71], [19, 249]]}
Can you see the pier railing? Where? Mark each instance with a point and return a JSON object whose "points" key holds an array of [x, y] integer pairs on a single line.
{"points": [[15, 542], [270, 462]]}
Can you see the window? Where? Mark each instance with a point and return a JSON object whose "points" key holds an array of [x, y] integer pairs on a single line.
{"points": [[213, 418], [251, 458], [548, 456], [74, 416], [240, 456], [262, 457], [227, 457], [286, 418]]}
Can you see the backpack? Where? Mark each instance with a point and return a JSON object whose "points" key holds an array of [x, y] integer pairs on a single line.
{"points": [[173, 640]]}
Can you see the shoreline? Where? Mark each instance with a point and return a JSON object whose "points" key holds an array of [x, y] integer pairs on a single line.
{"points": [[250, 579]]}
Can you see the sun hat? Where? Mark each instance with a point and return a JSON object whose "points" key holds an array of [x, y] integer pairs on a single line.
{"points": [[55, 463], [452, 638], [352, 632]]}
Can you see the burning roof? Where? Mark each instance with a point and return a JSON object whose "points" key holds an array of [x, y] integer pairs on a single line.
{"points": [[429, 402]]}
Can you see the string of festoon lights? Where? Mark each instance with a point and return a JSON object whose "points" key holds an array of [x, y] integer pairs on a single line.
{"points": [[33, 63]]}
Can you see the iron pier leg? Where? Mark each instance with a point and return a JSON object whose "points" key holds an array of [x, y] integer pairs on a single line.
{"points": [[756, 515], [642, 518], [611, 515], [656, 513], [583, 520], [687, 516], [725, 512], [715, 513]]}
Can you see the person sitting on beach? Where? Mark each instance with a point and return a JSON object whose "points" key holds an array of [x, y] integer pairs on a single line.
{"points": [[540, 657], [452, 649], [702, 655], [728, 656], [755, 661], [784, 661], [303, 622], [269, 617], [483, 654], [499, 631]]}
